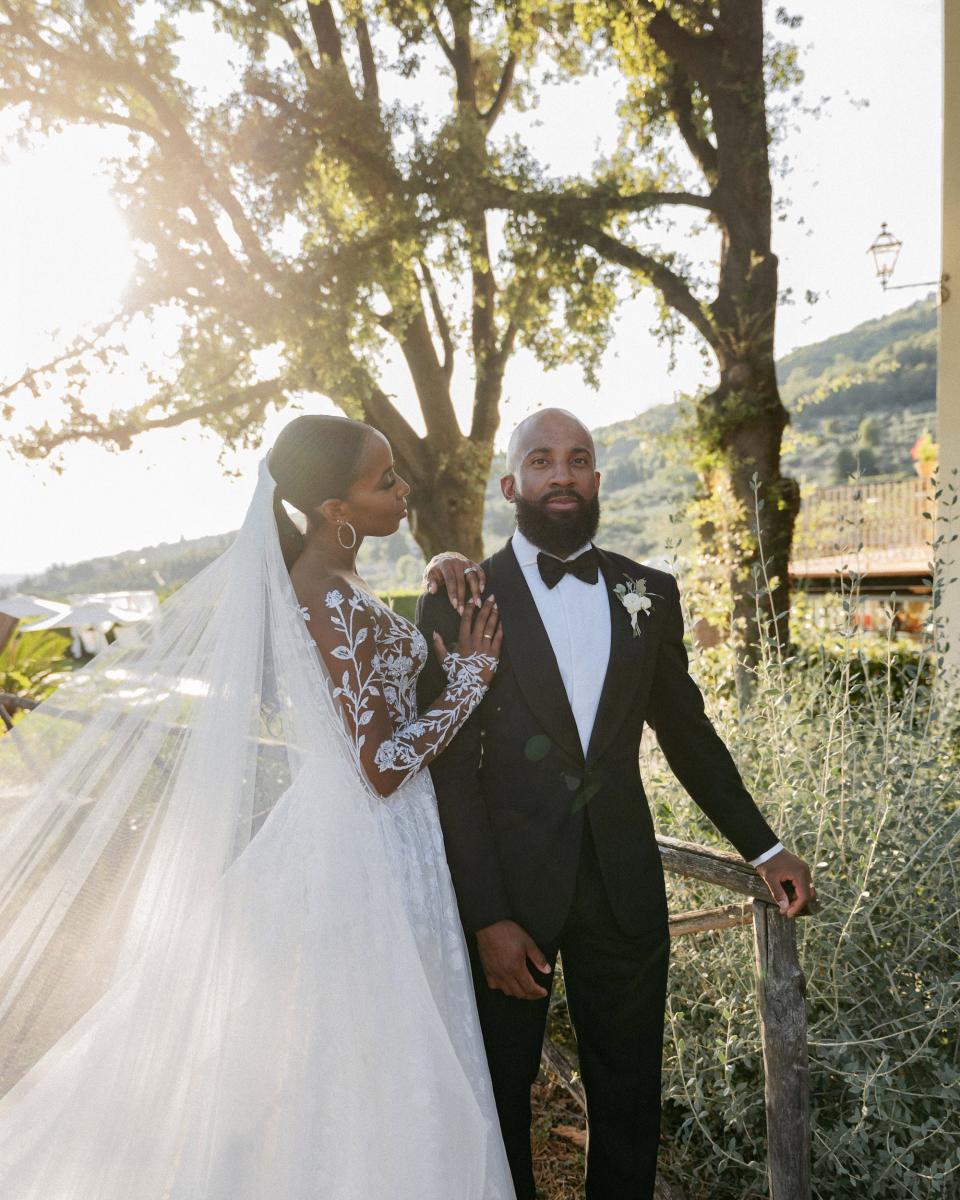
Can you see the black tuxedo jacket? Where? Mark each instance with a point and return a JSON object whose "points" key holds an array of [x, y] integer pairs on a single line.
{"points": [[514, 787]]}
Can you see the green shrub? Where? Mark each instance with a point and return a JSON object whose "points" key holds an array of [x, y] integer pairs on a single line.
{"points": [[405, 603], [30, 662], [865, 787]]}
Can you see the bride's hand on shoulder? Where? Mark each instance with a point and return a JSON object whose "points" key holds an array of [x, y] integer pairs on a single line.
{"points": [[463, 578], [480, 633]]}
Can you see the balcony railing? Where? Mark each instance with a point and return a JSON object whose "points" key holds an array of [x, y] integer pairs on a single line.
{"points": [[867, 528]]}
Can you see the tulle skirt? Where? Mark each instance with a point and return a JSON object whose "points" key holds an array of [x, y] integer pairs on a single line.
{"points": [[307, 1032]]}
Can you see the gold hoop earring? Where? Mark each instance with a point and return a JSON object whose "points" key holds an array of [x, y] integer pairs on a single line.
{"points": [[340, 527]]}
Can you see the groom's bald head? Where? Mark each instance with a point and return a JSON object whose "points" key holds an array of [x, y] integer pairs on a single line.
{"points": [[548, 425], [552, 481]]}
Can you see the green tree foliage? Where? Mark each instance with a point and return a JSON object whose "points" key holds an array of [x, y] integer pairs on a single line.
{"points": [[869, 432], [844, 464], [866, 460], [317, 219]]}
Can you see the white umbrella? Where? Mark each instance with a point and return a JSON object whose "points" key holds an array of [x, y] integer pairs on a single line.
{"points": [[31, 606], [94, 613]]}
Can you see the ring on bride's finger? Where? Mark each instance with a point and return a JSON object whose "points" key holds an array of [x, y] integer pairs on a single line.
{"points": [[469, 570], [488, 635]]}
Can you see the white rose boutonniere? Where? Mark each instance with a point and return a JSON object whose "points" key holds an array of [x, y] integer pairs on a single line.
{"points": [[635, 599]]}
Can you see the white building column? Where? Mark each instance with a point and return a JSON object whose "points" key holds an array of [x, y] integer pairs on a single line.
{"points": [[948, 369]]}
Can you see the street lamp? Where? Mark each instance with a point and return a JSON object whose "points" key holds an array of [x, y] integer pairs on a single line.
{"points": [[886, 251]]}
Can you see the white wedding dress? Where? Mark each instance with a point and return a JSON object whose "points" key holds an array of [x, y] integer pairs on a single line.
{"points": [[230, 970]]}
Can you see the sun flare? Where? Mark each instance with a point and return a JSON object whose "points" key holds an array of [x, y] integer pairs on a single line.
{"points": [[65, 254]]}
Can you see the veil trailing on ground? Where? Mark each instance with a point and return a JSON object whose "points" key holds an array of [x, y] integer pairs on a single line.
{"points": [[209, 983]]}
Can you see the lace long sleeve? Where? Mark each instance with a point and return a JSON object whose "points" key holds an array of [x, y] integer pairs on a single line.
{"points": [[374, 676]]}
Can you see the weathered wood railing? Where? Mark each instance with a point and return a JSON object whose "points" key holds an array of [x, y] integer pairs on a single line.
{"points": [[780, 1003], [9, 704]]}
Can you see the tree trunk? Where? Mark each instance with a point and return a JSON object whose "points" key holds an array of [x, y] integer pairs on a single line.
{"points": [[447, 497], [745, 416], [748, 420]]}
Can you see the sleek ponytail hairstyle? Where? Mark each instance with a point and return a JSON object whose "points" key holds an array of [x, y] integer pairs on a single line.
{"points": [[315, 458]]}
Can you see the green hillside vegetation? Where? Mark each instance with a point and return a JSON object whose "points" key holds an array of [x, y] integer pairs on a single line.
{"points": [[863, 397], [859, 399], [158, 568]]}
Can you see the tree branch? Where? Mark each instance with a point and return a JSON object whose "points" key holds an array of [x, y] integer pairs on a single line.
{"points": [[300, 53], [513, 325], [564, 205], [429, 378], [368, 65], [674, 289], [78, 348], [325, 30], [122, 428], [680, 97], [403, 438], [439, 316], [503, 92], [692, 51], [483, 307], [462, 59], [69, 107], [441, 39], [127, 73]]}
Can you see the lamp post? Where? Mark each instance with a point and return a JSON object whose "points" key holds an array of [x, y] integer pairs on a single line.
{"points": [[886, 251]]}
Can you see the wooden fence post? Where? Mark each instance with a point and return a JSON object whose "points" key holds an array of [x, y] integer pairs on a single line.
{"points": [[783, 1033]]}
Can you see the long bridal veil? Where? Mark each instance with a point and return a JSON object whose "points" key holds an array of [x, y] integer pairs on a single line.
{"points": [[211, 985]]}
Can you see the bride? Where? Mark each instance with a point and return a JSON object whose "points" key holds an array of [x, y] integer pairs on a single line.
{"points": [[231, 966]]}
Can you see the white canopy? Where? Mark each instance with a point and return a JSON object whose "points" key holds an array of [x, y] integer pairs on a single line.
{"points": [[31, 606], [92, 613]]}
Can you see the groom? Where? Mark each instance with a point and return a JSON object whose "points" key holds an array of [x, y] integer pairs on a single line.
{"points": [[546, 825]]}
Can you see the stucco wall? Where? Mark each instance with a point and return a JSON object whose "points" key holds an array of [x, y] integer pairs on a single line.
{"points": [[948, 379]]}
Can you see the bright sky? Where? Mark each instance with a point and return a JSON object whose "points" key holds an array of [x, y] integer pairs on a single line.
{"points": [[64, 257]]}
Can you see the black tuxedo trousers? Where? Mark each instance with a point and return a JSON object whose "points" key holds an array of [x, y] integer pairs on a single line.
{"points": [[562, 842], [616, 989]]}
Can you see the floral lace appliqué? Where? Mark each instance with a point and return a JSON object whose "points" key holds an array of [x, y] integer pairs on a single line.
{"points": [[382, 656]]}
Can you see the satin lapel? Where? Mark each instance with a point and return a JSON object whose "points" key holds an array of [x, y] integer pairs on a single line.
{"points": [[530, 653], [623, 670]]}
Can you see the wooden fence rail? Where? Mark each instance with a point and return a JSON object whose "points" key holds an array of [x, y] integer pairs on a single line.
{"points": [[780, 1004]]}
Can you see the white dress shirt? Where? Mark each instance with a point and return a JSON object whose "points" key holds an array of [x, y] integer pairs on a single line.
{"points": [[576, 616]]}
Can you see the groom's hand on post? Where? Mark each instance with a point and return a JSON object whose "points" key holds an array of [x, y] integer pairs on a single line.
{"points": [[462, 578], [790, 883], [504, 948]]}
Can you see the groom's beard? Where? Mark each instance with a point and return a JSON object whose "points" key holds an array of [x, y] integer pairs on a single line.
{"points": [[559, 533]]}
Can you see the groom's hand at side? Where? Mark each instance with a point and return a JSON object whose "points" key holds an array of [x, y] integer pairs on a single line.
{"points": [[504, 948]]}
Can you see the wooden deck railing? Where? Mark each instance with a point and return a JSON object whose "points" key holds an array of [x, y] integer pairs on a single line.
{"points": [[780, 1004], [891, 522]]}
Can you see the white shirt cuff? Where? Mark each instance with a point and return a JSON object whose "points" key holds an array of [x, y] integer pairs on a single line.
{"points": [[755, 862]]}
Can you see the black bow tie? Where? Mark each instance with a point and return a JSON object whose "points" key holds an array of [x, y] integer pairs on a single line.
{"points": [[585, 566]]}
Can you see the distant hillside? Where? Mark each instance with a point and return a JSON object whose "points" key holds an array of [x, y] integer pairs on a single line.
{"points": [[862, 396], [160, 568]]}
